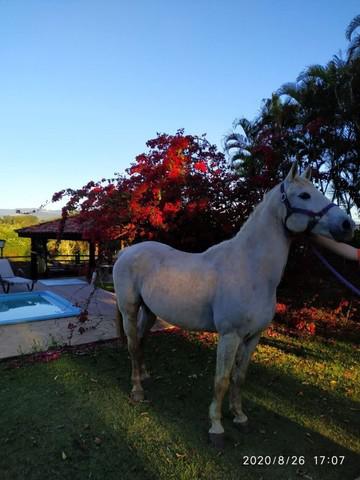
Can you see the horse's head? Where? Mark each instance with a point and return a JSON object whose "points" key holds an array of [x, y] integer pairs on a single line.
{"points": [[308, 210]]}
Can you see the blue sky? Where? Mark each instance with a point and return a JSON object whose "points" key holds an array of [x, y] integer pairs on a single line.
{"points": [[85, 83]]}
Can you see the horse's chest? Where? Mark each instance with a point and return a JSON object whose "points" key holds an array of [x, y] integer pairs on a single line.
{"points": [[248, 309]]}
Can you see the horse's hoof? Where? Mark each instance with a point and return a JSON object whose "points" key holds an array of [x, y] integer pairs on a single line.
{"points": [[217, 440], [137, 396], [243, 427]]}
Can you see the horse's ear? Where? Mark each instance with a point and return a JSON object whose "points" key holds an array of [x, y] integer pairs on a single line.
{"points": [[293, 172], [307, 173]]}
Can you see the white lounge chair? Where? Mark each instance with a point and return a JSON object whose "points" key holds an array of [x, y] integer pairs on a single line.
{"points": [[7, 277]]}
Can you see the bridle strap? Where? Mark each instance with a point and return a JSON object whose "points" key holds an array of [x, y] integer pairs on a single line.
{"points": [[315, 216]]}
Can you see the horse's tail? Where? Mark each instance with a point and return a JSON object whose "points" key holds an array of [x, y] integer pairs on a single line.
{"points": [[120, 327], [119, 318]]}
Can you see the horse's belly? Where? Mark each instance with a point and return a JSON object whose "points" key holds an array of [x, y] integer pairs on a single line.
{"points": [[181, 298], [186, 318]]}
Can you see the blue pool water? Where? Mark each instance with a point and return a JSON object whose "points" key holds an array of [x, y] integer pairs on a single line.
{"points": [[53, 282], [34, 306]]}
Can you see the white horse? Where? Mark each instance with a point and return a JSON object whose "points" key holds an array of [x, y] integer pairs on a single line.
{"points": [[230, 288]]}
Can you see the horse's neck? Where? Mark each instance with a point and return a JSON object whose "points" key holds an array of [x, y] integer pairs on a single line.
{"points": [[262, 245]]}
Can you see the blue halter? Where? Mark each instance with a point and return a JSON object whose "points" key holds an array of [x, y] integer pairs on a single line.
{"points": [[315, 216]]}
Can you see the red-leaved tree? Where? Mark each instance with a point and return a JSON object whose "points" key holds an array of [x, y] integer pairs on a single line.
{"points": [[183, 193]]}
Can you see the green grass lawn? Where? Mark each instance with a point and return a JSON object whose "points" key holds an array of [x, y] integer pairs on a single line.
{"points": [[72, 418]]}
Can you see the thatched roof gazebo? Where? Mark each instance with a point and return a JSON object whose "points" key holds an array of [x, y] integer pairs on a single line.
{"points": [[72, 229]]}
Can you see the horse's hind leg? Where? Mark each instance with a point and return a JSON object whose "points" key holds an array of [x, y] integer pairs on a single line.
{"points": [[243, 356], [145, 323], [225, 357], [130, 314]]}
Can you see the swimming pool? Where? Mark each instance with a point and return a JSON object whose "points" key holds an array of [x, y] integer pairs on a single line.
{"points": [[37, 321], [34, 306]]}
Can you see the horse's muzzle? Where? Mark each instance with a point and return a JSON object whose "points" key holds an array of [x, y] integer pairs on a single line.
{"points": [[344, 231]]}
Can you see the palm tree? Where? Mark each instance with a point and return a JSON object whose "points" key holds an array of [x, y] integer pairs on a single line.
{"points": [[353, 37], [238, 145], [315, 119], [328, 93]]}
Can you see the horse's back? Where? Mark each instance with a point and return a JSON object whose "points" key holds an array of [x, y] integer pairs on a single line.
{"points": [[141, 257]]}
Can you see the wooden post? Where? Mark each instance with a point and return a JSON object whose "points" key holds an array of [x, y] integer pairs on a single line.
{"points": [[92, 262], [44, 253], [33, 261]]}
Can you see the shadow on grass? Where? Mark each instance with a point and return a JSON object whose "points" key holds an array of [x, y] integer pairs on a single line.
{"points": [[79, 406], [327, 353]]}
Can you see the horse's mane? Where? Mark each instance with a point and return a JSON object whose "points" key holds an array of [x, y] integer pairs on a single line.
{"points": [[258, 208], [243, 229], [256, 212]]}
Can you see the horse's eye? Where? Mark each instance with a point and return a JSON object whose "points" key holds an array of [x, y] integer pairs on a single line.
{"points": [[304, 196]]}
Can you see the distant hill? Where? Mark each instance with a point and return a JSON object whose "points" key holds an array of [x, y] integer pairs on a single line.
{"points": [[42, 215]]}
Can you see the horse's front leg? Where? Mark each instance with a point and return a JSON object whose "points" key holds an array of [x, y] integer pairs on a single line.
{"points": [[226, 351], [238, 374]]}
